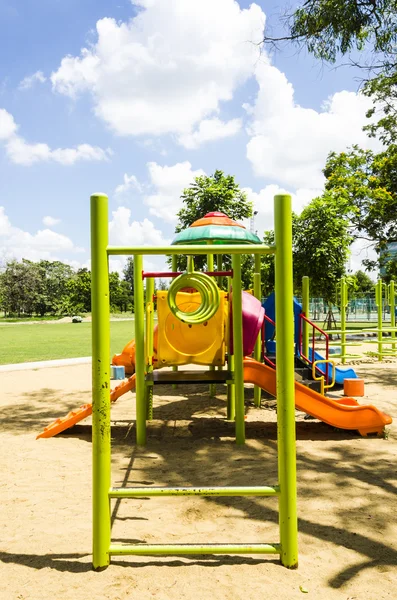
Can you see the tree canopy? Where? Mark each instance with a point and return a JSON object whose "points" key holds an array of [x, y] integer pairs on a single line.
{"points": [[364, 186], [330, 29], [217, 192]]}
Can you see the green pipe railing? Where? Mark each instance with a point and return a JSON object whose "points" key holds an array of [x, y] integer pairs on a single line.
{"points": [[189, 549], [151, 492], [103, 549]]}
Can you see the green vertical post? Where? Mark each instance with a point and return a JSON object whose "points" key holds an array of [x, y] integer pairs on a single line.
{"points": [[219, 262], [258, 343], [140, 384], [101, 458], [306, 311], [343, 306], [379, 299], [210, 267], [237, 309], [285, 381], [392, 303], [174, 267]]}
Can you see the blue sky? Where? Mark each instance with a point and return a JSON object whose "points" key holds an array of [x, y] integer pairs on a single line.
{"points": [[164, 91]]}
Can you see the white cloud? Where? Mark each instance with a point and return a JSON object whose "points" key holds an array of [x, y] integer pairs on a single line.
{"points": [[30, 80], [20, 152], [130, 182], [167, 69], [263, 202], [124, 232], [289, 143], [50, 221], [169, 182], [210, 130], [44, 244], [8, 126]]}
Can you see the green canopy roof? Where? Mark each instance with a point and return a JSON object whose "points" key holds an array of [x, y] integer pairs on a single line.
{"points": [[216, 234]]}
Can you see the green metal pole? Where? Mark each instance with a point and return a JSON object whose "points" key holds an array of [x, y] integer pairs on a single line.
{"points": [[140, 385], [343, 305], [219, 262], [101, 453], [210, 265], [285, 381], [379, 297], [306, 310], [237, 309], [258, 344], [392, 311], [174, 270]]}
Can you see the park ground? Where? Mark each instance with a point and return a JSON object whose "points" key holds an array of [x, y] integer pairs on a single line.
{"points": [[346, 487]]}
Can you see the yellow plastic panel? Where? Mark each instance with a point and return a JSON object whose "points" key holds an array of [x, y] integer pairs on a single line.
{"points": [[183, 344]]}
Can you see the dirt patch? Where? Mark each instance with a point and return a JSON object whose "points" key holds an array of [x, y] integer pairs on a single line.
{"points": [[346, 484]]}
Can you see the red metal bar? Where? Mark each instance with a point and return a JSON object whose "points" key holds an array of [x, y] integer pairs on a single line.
{"points": [[264, 357], [166, 274], [323, 333]]}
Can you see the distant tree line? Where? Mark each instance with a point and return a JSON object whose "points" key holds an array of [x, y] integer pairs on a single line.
{"points": [[46, 287]]}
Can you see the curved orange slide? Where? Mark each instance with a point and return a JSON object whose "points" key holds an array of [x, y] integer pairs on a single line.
{"points": [[345, 413], [85, 410]]}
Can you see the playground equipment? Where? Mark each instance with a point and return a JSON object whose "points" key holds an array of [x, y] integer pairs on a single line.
{"points": [[384, 298], [192, 244], [206, 326], [306, 340]]}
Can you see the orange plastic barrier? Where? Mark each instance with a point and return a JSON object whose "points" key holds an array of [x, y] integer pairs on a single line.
{"points": [[353, 387], [84, 411]]}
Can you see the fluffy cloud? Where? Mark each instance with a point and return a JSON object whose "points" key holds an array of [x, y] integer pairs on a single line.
{"points": [[8, 127], [289, 143], [50, 221], [169, 182], [20, 152], [124, 232], [30, 80], [129, 182], [44, 244], [168, 69], [263, 202], [209, 130]]}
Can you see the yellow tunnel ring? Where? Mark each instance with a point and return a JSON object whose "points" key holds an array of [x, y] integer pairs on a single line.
{"points": [[209, 292]]}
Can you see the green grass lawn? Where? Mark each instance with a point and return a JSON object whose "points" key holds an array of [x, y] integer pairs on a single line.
{"points": [[48, 341]]}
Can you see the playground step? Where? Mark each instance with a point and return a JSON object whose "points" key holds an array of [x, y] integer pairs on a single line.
{"points": [[189, 377]]}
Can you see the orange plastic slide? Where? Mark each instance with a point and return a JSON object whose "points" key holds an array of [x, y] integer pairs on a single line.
{"points": [[345, 413], [85, 410]]}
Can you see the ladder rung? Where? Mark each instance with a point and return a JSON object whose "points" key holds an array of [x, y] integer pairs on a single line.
{"points": [[183, 549], [194, 491]]}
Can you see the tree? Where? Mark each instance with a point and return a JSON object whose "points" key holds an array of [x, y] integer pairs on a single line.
{"points": [[321, 243], [79, 291], [53, 285], [20, 287], [363, 284], [120, 294], [329, 29], [217, 192], [364, 185]]}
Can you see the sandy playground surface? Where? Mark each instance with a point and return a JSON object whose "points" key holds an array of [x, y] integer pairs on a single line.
{"points": [[346, 484]]}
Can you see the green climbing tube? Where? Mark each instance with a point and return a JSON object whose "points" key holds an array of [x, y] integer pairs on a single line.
{"points": [[209, 292]]}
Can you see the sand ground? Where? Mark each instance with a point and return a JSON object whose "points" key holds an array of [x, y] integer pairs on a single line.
{"points": [[346, 486]]}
